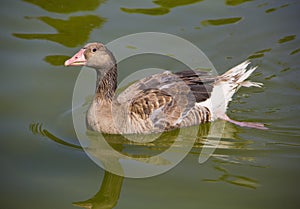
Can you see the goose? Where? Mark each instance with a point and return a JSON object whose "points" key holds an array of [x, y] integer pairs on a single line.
{"points": [[160, 102]]}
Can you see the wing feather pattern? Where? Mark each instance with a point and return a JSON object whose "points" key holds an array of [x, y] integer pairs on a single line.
{"points": [[163, 101]]}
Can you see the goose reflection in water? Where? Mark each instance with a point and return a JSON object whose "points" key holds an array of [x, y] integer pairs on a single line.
{"points": [[109, 192], [108, 195]]}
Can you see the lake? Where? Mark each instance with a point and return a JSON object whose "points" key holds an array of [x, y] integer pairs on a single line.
{"points": [[43, 164]]}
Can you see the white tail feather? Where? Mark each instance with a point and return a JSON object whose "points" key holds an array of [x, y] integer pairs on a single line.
{"points": [[237, 76], [225, 87]]}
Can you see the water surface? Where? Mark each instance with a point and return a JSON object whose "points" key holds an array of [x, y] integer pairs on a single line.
{"points": [[42, 166]]}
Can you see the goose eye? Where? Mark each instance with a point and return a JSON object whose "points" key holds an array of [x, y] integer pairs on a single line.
{"points": [[94, 49]]}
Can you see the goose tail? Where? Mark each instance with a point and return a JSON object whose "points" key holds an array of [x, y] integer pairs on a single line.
{"points": [[226, 86], [237, 76]]}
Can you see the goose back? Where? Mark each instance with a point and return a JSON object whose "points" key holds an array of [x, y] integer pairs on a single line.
{"points": [[163, 101]]}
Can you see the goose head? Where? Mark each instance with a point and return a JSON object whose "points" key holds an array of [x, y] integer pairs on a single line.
{"points": [[94, 55]]}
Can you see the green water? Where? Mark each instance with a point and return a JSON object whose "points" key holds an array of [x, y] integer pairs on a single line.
{"points": [[41, 164]]}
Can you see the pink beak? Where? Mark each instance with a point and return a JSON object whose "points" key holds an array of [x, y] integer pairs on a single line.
{"points": [[77, 60]]}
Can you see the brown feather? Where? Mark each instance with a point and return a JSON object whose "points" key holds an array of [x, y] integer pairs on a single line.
{"points": [[149, 100]]}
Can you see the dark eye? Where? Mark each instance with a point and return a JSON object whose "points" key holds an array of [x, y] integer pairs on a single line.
{"points": [[94, 49]]}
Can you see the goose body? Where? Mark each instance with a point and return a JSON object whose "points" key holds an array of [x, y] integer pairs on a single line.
{"points": [[159, 102]]}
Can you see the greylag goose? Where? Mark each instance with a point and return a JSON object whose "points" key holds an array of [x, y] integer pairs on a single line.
{"points": [[159, 102]]}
